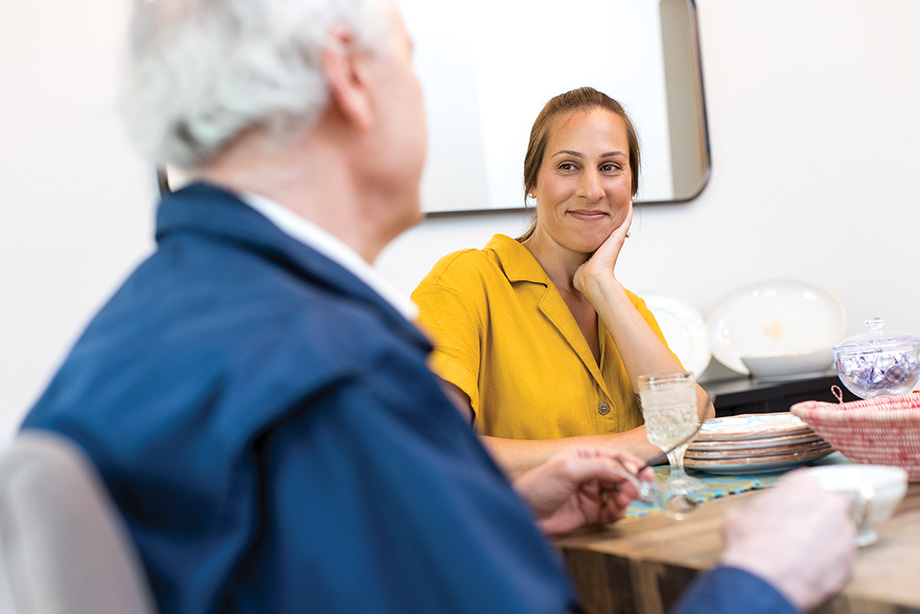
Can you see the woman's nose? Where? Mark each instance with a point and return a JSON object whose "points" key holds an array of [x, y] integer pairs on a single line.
{"points": [[590, 186]]}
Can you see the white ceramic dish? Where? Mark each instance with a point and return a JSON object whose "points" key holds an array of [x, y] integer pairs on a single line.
{"points": [[774, 317], [874, 492], [780, 366], [683, 328], [752, 426]]}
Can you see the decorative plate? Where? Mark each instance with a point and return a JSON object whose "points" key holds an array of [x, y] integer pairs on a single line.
{"points": [[750, 444], [752, 426], [684, 329], [744, 453], [758, 465], [772, 318]]}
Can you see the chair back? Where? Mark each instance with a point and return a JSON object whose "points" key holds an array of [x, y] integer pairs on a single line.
{"points": [[64, 545]]}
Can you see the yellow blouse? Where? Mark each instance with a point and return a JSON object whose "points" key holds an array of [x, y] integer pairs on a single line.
{"points": [[505, 337]]}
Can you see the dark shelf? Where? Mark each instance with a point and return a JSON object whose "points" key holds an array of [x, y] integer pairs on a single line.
{"points": [[749, 395]]}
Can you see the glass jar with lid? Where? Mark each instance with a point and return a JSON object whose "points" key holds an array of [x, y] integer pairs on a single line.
{"points": [[878, 362]]}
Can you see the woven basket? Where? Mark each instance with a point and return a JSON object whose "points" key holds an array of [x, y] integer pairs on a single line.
{"points": [[880, 431]]}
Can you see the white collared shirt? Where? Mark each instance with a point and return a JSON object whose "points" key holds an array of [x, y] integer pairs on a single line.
{"points": [[333, 248]]}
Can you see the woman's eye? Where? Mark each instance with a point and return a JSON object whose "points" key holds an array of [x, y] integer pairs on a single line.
{"points": [[567, 166], [610, 168]]}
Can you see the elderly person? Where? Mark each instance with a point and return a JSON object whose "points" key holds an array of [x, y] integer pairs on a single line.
{"points": [[255, 398], [536, 337]]}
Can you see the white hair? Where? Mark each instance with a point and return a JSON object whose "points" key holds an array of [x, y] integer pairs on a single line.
{"points": [[200, 73]]}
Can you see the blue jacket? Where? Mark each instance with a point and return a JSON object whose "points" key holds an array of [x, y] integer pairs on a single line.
{"points": [[268, 427], [727, 590]]}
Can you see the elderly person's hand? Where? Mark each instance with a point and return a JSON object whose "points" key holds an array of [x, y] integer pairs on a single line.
{"points": [[579, 486], [795, 536]]}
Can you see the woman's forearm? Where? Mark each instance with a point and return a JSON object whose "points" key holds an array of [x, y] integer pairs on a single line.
{"points": [[641, 350], [517, 456]]}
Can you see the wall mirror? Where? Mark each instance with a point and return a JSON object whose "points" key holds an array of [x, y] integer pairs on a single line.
{"points": [[487, 68]]}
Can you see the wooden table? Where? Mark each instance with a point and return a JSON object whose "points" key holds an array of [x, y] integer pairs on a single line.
{"points": [[641, 565]]}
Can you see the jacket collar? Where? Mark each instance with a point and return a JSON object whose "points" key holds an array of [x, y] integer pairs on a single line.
{"points": [[205, 209]]}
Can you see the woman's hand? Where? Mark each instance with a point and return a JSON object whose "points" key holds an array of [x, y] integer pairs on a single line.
{"points": [[580, 485], [590, 277]]}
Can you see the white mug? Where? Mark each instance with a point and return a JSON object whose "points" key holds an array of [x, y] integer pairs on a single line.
{"points": [[874, 491]]}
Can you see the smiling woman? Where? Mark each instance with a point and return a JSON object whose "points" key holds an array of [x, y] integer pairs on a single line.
{"points": [[535, 338]]}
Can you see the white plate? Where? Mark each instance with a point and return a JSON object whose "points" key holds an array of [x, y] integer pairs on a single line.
{"points": [[752, 426], [683, 328], [774, 317]]}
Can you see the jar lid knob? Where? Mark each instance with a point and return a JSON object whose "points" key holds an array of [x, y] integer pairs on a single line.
{"points": [[875, 324]]}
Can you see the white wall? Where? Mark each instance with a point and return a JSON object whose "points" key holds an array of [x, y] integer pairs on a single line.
{"points": [[813, 121], [77, 203]]}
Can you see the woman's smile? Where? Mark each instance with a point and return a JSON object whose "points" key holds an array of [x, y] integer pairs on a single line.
{"points": [[588, 215]]}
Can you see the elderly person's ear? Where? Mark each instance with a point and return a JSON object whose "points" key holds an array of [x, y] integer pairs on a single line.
{"points": [[345, 70]]}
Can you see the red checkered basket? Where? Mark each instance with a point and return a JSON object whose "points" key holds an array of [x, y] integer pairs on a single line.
{"points": [[881, 431]]}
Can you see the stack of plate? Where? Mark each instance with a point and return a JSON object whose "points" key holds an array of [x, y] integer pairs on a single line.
{"points": [[755, 443]]}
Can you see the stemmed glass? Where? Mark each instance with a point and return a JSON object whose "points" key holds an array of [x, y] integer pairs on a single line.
{"points": [[669, 406], [671, 503]]}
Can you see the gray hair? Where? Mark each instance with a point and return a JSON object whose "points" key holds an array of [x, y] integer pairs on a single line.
{"points": [[201, 73]]}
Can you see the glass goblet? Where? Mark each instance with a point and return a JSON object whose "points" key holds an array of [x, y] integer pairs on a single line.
{"points": [[669, 406], [670, 503]]}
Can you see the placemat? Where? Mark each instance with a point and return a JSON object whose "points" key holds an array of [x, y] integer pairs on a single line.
{"points": [[724, 485]]}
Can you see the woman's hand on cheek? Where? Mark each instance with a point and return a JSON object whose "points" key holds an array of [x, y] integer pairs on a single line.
{"points": [[591, 277]]}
